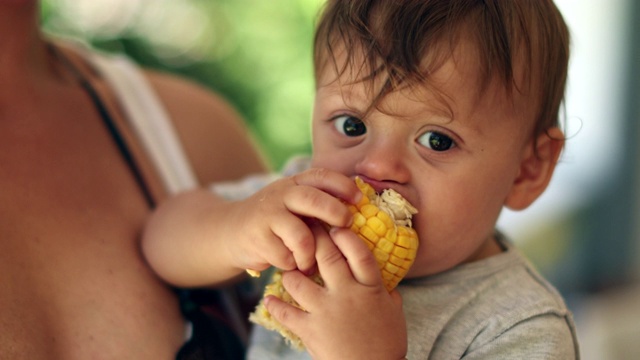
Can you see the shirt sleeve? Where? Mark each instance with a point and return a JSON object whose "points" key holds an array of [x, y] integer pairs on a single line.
{"points": [[241, 189]]}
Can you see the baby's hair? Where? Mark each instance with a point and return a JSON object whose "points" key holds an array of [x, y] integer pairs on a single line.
{"points": [[403, 41]]}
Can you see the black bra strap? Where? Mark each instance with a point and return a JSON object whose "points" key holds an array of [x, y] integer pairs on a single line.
{"points": [[108, 122]]}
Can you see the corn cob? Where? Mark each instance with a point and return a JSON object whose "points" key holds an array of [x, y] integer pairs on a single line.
{"points": [[383, 222]]}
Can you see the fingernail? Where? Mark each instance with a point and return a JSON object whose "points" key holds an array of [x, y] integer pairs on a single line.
{"points": [[335, 230], [310, 271], [267, 300]]}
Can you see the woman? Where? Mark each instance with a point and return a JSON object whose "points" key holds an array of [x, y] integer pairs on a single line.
{"points": [[79, 179]]}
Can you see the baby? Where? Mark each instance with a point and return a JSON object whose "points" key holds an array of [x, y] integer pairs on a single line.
{"points": [[454, 105]]}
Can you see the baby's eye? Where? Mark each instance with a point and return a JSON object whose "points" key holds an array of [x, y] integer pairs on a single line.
{"points": [[349, 125], [436, 141]]}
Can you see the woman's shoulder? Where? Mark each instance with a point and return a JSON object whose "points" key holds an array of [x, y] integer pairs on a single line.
{"points": [[214, 135]]}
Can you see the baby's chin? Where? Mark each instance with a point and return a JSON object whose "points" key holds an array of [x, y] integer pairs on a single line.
{"points": [[419, 269], [425, 266]]}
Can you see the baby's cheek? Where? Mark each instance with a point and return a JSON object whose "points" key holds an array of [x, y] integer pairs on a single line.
{"points": [[440, 248], [318, 160], [434, 258], [335, 164], [420, 266]]}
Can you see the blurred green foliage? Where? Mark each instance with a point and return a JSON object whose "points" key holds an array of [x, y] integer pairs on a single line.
{"points": [[256, 53]]}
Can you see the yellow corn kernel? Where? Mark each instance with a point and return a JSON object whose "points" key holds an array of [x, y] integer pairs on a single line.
{"points": [[386, 220], [377, 225], [396, 260], [400, 252], [381, 255], [385, 245], [368, 210], [359, 220], [369, 234]]}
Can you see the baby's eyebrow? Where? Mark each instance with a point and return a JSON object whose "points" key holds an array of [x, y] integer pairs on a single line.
{"points": [[345, 94]]}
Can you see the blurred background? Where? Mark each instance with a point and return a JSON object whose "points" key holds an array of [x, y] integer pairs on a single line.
{"points": [[583, 234]]}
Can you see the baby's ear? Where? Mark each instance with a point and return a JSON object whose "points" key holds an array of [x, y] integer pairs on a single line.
{"points": [[536, 169]]}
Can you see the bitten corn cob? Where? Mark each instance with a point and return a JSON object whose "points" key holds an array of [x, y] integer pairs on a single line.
{"points": [[383, 222]]}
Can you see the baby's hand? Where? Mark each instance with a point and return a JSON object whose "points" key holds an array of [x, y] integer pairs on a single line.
{"points": [[273, 224], [352, 316]]}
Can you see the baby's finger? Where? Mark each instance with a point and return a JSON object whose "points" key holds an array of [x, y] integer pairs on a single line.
{"points": [[396, 298], [331, 263], [299, 239], [303, 289], [359, 258], [315, 203], [331, 182], [286, 314], [272, 252]]}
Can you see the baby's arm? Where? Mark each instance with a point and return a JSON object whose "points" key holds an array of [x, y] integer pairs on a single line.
{"points": [[197, 239], [352, 316]]}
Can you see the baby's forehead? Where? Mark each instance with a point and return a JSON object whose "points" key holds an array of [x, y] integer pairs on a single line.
{"points": [[434, 68], [453, 80]]}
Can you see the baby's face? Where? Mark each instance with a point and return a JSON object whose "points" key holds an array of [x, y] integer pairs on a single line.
{"points": [[453, 154]]}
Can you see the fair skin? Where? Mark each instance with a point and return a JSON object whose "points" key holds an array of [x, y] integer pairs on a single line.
{"points": [[458, 162], [75, 285]]}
